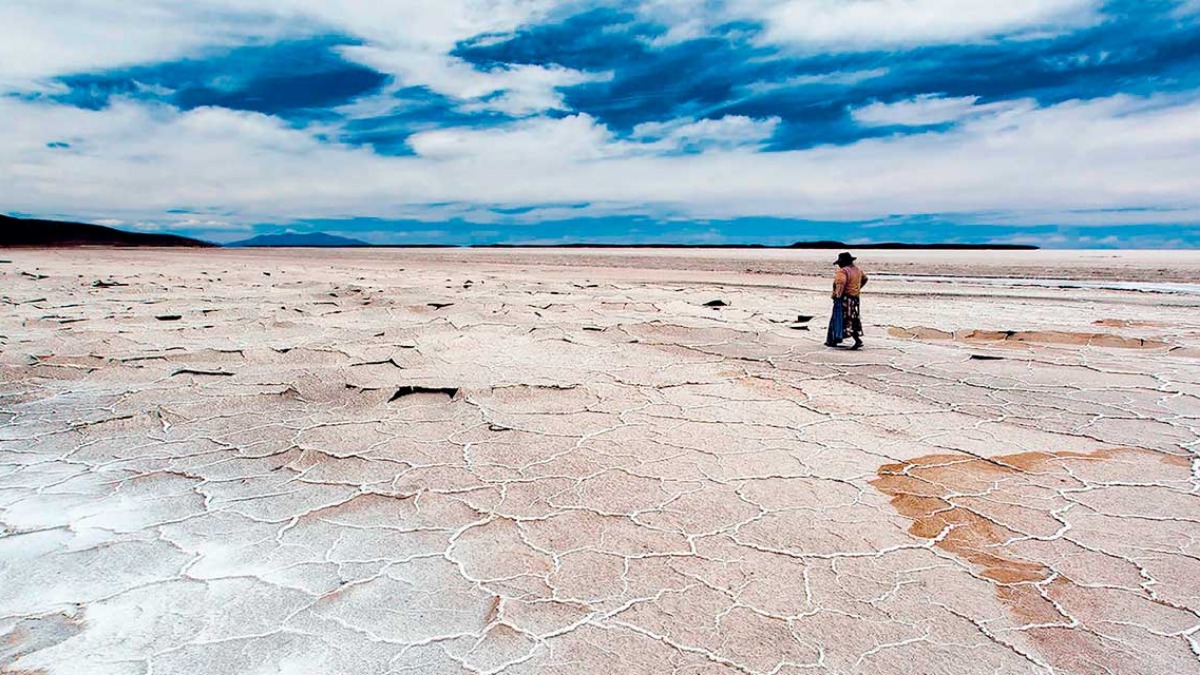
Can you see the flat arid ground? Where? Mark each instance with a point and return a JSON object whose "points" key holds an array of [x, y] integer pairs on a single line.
{"points": [[448, 461]]}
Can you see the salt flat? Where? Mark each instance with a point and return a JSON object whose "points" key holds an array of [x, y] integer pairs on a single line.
{"points": [[448, 461]]}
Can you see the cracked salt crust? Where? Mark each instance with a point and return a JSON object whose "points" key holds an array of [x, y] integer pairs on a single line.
{"points": [[579, 467]]}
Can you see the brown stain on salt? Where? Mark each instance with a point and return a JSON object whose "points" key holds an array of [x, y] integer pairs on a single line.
{"points": [[1012, 337], [922, 490]]}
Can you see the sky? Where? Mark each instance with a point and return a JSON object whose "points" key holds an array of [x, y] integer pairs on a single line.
{"points": [[1059, 123]]}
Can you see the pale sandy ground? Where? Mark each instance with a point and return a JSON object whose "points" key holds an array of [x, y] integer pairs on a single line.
{"points": [[213, 470]]}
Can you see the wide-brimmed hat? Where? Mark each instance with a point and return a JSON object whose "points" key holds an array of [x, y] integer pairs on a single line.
{"points": [[845, 259]]}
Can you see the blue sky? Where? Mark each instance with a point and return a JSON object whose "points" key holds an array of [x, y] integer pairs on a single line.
{"points": [[1064, 123]]}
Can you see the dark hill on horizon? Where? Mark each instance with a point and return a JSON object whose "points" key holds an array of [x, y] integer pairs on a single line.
{"points": [[309, 240], [56, 233]]}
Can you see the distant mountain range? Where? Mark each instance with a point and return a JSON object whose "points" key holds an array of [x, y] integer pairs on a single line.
{"points": [[31, 232], [309, 239]]}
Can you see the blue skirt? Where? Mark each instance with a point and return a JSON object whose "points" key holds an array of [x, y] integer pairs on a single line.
{"points": [[837, 324]]}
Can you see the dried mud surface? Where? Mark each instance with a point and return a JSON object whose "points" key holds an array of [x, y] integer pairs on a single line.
{"points": [[576, 462]]}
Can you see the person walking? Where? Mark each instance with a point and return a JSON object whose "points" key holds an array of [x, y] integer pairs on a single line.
{"points": [[846, 321]]}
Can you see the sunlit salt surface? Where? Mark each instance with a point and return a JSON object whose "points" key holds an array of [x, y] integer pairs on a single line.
{"points": [[505, 462]]}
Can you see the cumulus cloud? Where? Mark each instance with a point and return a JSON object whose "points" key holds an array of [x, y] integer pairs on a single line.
{"points": [[41, 39], [411, 41], [838, 23], [835, 78], [729, 132], [928, 109], [865, 24], [1114, 153], [542, 140], [515, 90], [47, 38]]}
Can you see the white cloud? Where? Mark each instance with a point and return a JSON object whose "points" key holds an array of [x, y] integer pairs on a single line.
{"points": [[46, 38], [580, 138], [541, 140], [729, 132], [135, 161], [409, 39], [515, 90], [836, 78], [933, 109], [41, 39], [858, 24], [412, 40], [524, 90]]}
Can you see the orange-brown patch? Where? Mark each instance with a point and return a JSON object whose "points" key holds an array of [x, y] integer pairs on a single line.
{"points": [[923, 490], [1013, 337], [918, 489]]}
